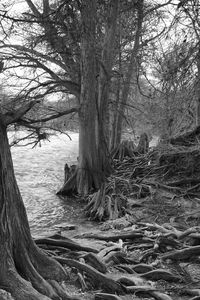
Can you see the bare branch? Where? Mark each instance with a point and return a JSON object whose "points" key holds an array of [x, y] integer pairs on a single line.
{"points": [[156, 7], [34, 8], [14, 116], [46, 7], [35, 53], [55, 116]]}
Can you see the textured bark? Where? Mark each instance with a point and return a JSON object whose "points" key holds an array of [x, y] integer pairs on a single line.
{"points": [[21, 261], [89, 174], [107, 60]]}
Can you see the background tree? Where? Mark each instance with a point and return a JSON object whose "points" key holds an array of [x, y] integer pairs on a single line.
{"points": [[52, 50]]}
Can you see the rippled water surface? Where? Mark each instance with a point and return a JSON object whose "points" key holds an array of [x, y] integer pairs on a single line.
{"points": [[39, 173]]}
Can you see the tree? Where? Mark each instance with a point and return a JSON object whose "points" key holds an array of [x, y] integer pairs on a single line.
{"points": [[25, 270], [189, 11], [143, 21], [57, 53], [174, 64]]}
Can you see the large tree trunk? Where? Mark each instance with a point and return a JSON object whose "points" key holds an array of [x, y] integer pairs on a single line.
{"points": [[21, 261], [94, 162], [89, 173]]}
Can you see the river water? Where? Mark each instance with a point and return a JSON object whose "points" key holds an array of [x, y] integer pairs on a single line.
{"points": [[40, 172]]}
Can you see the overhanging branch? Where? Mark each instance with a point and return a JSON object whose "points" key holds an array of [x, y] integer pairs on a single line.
{"points": [[14, 116], [54, 116]]}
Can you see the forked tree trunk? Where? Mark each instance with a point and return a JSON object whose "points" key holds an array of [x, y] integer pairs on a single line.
{"points": [[24, 268]]}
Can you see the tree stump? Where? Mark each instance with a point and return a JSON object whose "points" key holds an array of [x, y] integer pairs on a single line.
{"points": [[143, 145], [68, 171]]}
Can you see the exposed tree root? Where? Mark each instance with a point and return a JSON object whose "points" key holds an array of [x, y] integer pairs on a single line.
{"points": [[115, 237], [65, 243], [136, 276], [142, 268], [94, 261], [21, 289], [107, 283], [103, 296], [160, 274], [106, 203], [31, 274], [125, 149], [182, 254]]}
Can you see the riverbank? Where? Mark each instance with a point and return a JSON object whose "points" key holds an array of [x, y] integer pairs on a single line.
{"points": [[152, 252], [146, 254]]}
